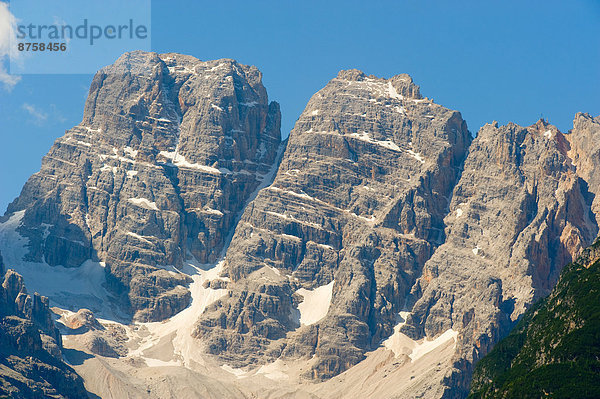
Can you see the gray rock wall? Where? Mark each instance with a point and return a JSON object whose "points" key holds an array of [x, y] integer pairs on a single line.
{"points": [[168, 150], [359, 198]]}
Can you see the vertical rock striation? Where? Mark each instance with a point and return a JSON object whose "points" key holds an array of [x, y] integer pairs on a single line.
{"points": [[387, 227], [584, 140], [518, 214]]}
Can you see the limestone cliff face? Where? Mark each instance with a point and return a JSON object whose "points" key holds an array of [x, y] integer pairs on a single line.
{"points": [[358, 202], [518, 214], [385, 219], [584, 140], [168, 150]]}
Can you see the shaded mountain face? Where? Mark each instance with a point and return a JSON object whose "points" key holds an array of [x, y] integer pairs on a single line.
{"points": [[356, 209], [31, 364], [554, 349], [168, 150]]}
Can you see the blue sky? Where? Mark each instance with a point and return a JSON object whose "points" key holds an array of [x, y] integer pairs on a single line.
{"points": [[491, 60]]}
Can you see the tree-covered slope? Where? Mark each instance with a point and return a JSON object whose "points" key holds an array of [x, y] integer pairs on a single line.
{"points": [[554, 351]]}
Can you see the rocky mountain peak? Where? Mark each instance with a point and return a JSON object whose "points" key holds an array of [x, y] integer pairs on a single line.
{"points": [[383, 240], [514, 248], [351, 75], [355, 210], [399, 85], [168, 150]]}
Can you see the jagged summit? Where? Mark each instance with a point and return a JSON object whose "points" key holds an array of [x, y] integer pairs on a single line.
{"points": [[143, 63], [355, 210], [584, 150], [400, 85], [168, 150]]}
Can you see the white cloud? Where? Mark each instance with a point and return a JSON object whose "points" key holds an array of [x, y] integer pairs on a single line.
{"points": [[7, 31], [37, 115], [56, 114]]}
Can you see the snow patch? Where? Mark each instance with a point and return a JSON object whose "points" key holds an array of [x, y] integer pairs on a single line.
{"points": [[324, 246], [459, 213], [239, 373], [108, 168], [180, 69], [130, 151], [401, 344], [293, 193], [261, 151], [384, 143], [90, 130], [186, 348], [316, 303], [69, 288], [290, 237], [416, 156], [212, 211], [427, 346], [180, 161], [139, 237], [274, 371], [392, 92], [398, 342], [144, 203]]}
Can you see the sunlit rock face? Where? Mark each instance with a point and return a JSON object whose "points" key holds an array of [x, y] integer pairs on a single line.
{"points": [[168, 150], [381, 250], [358, 204], [518, 214]]}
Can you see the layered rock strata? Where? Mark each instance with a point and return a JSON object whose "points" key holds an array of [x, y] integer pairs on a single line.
{"points": [[168, 151], [356, 209]]}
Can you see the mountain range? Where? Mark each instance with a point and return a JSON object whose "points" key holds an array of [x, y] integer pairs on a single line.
{"points": [[186, 250]]}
